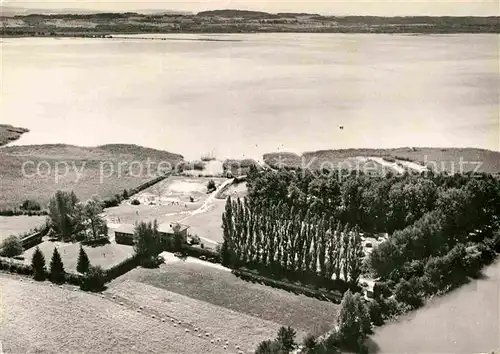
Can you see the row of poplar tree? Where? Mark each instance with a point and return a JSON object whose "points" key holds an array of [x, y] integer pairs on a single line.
{"points": [[279, 237]]}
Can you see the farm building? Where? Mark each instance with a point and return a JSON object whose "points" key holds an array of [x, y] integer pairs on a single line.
{"points": [[124, 234]]}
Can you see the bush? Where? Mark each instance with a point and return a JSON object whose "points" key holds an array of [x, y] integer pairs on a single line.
{"points": [[152, 262], [135, 202], [195, 240], [94, 280], [11, 247], [211, 186], [31, 205]]}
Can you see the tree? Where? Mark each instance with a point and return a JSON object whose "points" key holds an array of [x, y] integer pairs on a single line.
{"points": [[125, 194], [56, 268], [178, 237], [94, 279], [354, 319], [147, 240], [83, 261], [38, 265], [94, 225], [65, 214], [11, 247], [269, 347], [309, 344], [286, 338]]}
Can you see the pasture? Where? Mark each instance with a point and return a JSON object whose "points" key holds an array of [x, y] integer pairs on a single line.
{"points": [[105, 256], [37, 318], [17, 225], [208, 283], [197, 316]]}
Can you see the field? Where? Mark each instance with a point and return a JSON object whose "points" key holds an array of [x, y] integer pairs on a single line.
{"points": [[440, 159], [16, 225], [105, 256], [464, 321], [103, 171], [36, 318], [220, 287]]}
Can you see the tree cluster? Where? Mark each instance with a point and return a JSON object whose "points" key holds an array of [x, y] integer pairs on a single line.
{"points": [[72, 220], [288, 241]]}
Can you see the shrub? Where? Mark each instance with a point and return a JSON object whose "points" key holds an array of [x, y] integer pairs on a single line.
{"points": [[94, 280], [135, 202], [286, 338], [11, 247], [38, 265], [152, 262], [56, 268], [195, 240]]}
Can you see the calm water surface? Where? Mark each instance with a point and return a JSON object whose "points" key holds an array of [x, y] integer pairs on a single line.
{"points": [[260, 93]]}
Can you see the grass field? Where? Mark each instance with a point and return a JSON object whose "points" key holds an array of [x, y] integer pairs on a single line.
{"points": [[103, 171], [36, 318], [239, 329], [105, 256], [465, 321], [16, 225], [222, 288]]}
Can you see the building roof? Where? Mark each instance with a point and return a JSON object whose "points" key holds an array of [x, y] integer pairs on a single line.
{"points": [[167, 227], [125, 229]]}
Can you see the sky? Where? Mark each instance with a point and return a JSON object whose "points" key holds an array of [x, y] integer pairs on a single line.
{"points": [[327, 7]]}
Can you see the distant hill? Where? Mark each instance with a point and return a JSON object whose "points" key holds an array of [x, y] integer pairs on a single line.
{"points": [[440, 159], [234, 13], [29, 172]]}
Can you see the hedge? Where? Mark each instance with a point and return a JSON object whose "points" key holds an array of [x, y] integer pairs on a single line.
{"points": [[18, 212], [335, 296], [122, 268], [197, 252]]}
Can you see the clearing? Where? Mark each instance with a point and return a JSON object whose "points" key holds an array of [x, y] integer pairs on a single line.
{"points": [[17, 225], [105, 256], [211, 284], [37, 318]]}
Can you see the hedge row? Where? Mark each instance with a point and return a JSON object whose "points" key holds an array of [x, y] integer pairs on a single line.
{"points": [[18, 212], [335, 296], [8, 265], [197, 252]]}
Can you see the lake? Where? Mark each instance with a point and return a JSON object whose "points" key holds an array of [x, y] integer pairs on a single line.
{"points": [[246, 94], [465, 321]]}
